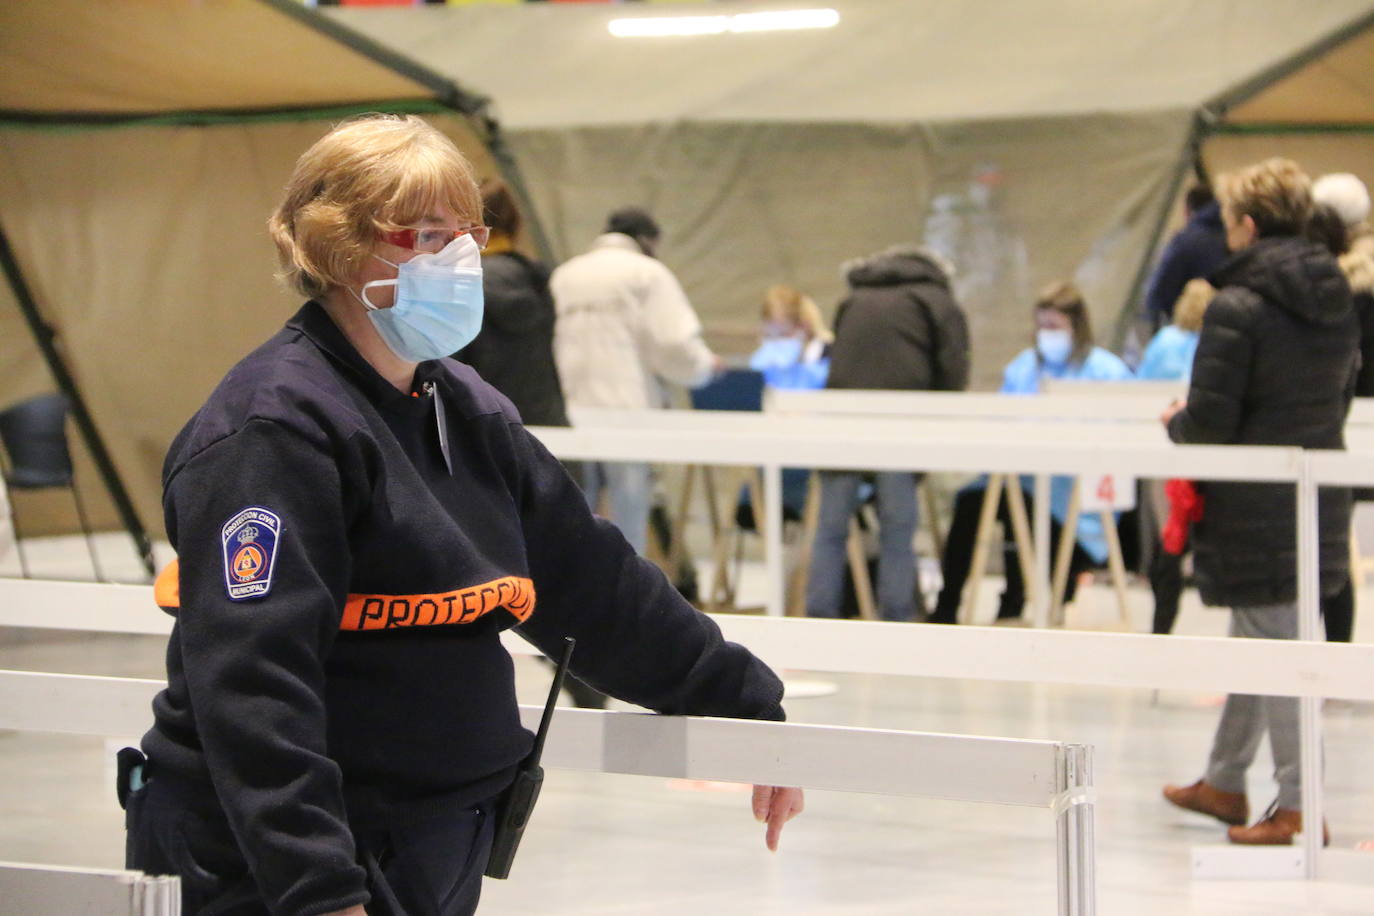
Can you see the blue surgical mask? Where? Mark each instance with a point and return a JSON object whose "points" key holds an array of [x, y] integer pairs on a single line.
{"points": [[438, 308], [776, 352], [1055, 346]]}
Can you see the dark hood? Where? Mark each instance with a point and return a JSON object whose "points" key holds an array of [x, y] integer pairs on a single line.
{"points": [[1209, 215], [1296, 275], [514, 288], [895, 266]]}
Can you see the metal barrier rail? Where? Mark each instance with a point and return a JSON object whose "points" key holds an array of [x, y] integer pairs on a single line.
{"points": [[899, 444], [44, 889], [1005, 771], [838, 441], [1130, 660]]}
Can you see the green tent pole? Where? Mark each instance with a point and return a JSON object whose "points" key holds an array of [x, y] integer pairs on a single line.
{"points": [[43, 334], [448, 93]]}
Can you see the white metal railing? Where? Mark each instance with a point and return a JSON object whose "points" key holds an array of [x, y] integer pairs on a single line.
{"points": [[1126, 660], [1005, 771], [1070, 445], [48, 889], [1309, 670]]}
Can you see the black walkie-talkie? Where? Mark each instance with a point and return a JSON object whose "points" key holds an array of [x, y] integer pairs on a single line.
{"points": [[524, 792]]}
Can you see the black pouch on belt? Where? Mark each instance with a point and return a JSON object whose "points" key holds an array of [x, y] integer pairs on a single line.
{"points": [[518, 803], [129, 773]]}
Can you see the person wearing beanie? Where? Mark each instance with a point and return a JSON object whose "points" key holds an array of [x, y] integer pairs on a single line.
{"points": [[624, 328]]}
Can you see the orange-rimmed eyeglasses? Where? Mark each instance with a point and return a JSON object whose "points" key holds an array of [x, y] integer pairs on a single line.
{"points": [[434, 238]]}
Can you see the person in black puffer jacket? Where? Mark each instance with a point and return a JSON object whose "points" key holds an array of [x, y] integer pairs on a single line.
{"points": [[1275, 365], [898, 329]]}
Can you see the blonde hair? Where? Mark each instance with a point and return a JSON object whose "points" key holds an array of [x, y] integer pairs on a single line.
{"points": [[369, 175], [787, 303], [1192, 303], [1275, 193]]}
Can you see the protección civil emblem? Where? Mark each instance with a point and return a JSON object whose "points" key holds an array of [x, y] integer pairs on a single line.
{"points": [[249, 542]]}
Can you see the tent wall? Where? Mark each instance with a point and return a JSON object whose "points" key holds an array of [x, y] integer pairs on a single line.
{"points": [[1031, 141], [147, 250], [1317, 153], [1012, 203]]}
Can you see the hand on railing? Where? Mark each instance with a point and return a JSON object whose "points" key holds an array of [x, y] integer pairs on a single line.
{"points": [[1172, 409], [775, 806]]}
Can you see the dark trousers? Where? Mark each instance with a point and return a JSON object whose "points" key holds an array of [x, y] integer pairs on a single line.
{"points": [[1166, 581], [432, 867], [963, 531], [1339, 611]]}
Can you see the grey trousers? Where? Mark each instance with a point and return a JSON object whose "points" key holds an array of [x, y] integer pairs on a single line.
{"points": [[629, 489], [1246, 717], [897, 515]]}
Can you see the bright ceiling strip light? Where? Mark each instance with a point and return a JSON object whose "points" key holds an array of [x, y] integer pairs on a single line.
{"points": [[783, 20]]}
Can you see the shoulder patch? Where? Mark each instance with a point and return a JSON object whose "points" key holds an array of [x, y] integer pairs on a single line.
{"points": [[249, 544]]}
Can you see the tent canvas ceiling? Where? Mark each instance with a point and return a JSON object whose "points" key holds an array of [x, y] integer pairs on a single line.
{"points": [[156, 56], [1025, 141]]}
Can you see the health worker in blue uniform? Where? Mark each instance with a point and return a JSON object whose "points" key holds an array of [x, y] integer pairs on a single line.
{"points": [[1063, 349], [357, 519]]}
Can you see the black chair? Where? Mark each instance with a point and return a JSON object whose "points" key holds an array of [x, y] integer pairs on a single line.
{"points": [[34, 433]]}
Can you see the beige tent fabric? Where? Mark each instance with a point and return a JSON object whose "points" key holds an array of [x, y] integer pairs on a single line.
{"points": [[747, 205], [1337, 88], [108, 56], [147, 251], [556, 65], [1318, 154], [23, 373], [1026, 141]]}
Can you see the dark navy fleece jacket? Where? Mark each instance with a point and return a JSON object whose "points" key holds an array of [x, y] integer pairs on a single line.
{"points": [[339, 595]]}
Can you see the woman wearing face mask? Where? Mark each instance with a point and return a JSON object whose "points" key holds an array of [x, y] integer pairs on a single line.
{"points": [[794, 350], [357, 519], [1063, 349]]}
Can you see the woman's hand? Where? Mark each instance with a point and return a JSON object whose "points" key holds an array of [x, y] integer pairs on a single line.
{"points": [[1172, 409], [351, 911], [775, 806]]}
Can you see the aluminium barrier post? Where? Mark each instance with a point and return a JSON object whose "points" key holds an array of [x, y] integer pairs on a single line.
{"points": [[1073, 821], [1044, 553], [1309, 628], [768, 519], [41, 889]]}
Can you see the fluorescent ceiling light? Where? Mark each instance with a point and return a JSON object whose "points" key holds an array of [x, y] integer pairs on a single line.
{"points": [[784, 20]]}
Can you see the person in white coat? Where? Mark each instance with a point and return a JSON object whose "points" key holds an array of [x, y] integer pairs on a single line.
{"points": [[625, 328]]}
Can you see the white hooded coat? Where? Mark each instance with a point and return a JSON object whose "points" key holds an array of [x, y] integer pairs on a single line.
{"points": [[624, 326]]}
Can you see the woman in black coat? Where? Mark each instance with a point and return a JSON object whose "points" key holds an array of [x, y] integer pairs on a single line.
{"points": [[1275, 365], [514, 351]]}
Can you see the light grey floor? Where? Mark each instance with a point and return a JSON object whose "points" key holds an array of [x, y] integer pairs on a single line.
{"points": [[621, 845]]}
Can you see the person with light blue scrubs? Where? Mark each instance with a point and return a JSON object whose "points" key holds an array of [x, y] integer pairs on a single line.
{"points": [[1063, 349]]}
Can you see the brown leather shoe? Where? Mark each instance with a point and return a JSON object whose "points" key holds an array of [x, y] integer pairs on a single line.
{"points": [[1276, 828], [1227, 807]]}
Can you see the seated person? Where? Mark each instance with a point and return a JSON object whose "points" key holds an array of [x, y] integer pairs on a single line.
{"points": [[1063, 349], [793, 353], [794, 350]]}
